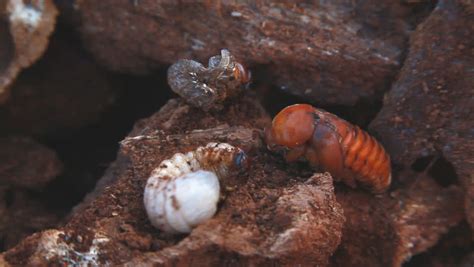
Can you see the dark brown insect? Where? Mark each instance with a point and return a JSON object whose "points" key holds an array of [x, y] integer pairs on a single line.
{"points": [[208, 88], [331, 144]]}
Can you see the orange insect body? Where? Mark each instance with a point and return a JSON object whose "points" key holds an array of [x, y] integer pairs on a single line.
{"points": [[242, 74], [332, 144]]}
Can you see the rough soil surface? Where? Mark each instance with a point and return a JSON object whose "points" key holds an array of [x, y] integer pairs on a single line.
{"points": [[387, 230], [25, 27], [22, 213], [26, 167], [428, 111], [334, 52], [270, 215], [63, 92], [341, 55], [453, 249], [26, 163]]}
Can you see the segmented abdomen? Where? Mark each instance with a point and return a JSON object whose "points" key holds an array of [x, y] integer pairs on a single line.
{"points": [[366, 159], [220, 158]]}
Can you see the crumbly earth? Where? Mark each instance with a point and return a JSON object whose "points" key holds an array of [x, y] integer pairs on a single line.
{"points": [[341, 54], [453, 249], [389, 229], [63, 92], [270, 215], [26, 163], [25, 168], [332, 52], [22, 213], [25, 27], [428, 112]]}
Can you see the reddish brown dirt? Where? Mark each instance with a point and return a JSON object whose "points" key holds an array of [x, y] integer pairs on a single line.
{"points": [[334, 52], [258, 210], [64, 92], [26, 167], [428, 112], [390, 228], [454, 249], [26, 163], [252, 224], [22, 42], [341, 54]]}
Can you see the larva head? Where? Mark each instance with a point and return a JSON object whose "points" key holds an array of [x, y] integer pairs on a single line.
{"points": [[225, 159], [241, 74], [291, 127], [241, 161]]}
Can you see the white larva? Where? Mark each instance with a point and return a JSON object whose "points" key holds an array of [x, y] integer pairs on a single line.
{"points": [[184, 190], [183, 203]]}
